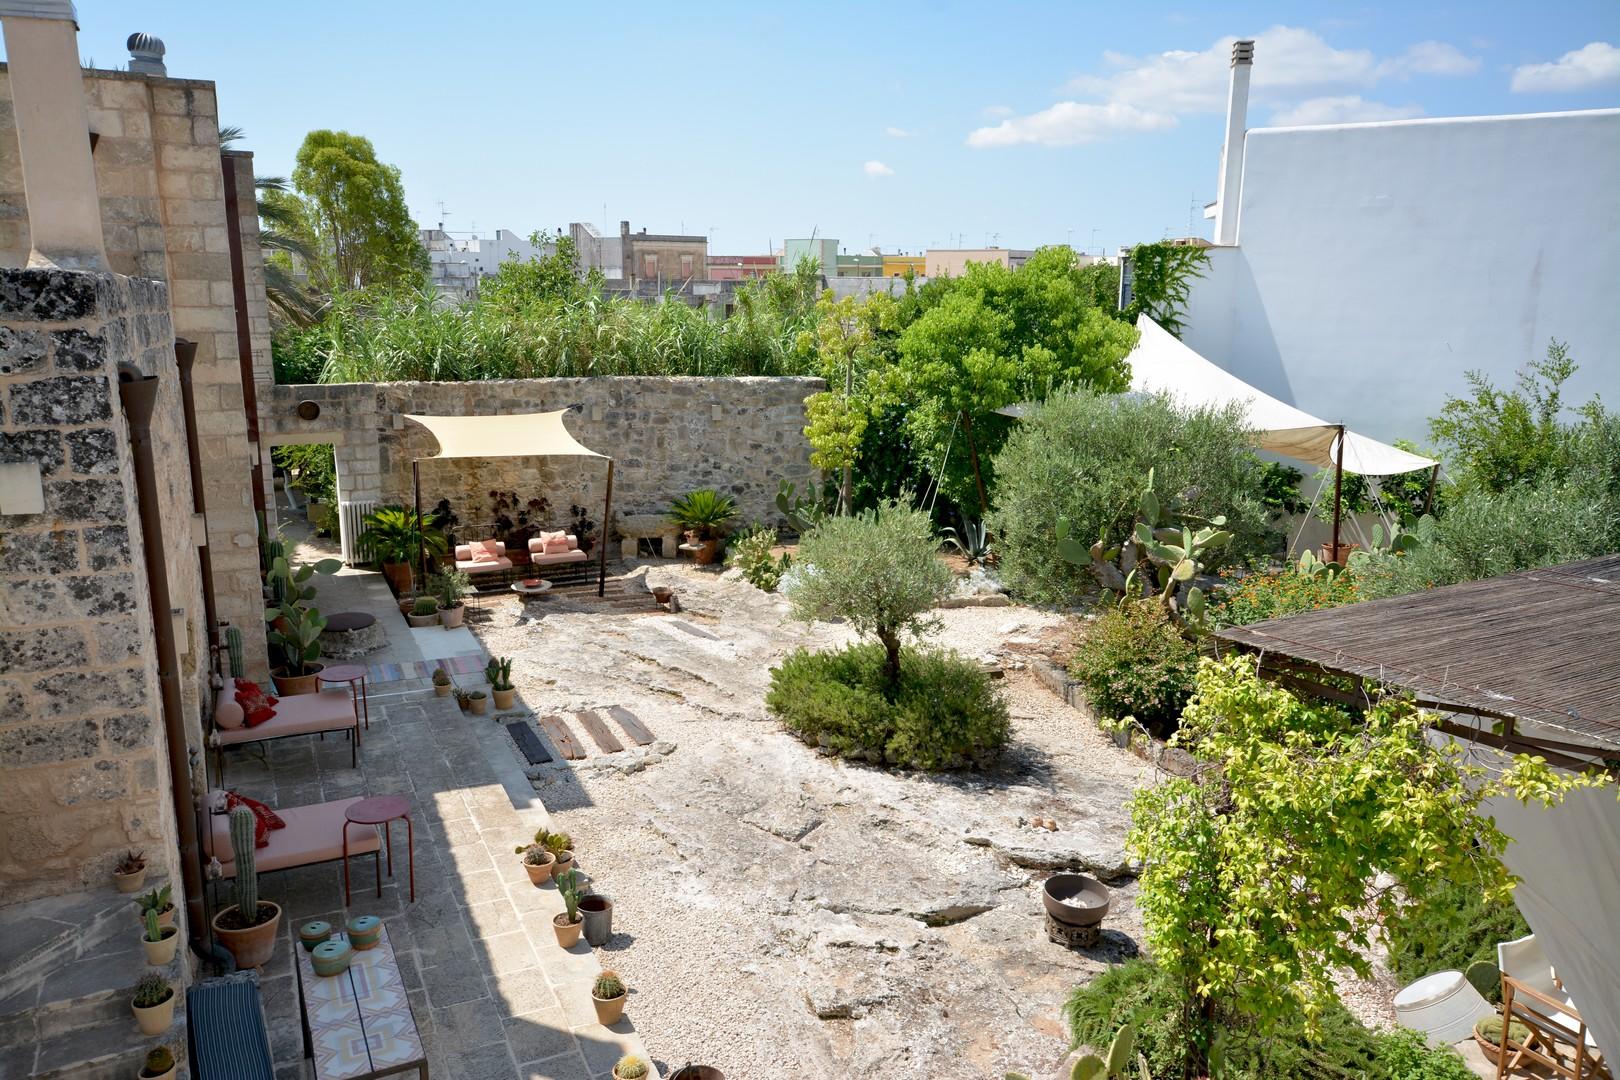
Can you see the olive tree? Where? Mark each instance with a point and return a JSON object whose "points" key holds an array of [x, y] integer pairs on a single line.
{"points": [[876, 570]]}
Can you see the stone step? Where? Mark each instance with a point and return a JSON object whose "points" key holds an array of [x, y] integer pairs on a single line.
{"points": [[39, 937], [113, 1050]]}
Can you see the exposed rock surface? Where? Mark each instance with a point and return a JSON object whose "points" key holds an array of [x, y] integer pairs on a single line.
{"points": [[780, 912]]}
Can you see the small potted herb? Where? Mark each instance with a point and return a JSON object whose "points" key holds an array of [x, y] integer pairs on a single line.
{"points": [[424, 612], [153, 1004], [130, 873], [537, 862], [566, 924], [608, 994], [630, 1067], [441, 683], [159, 941], [159, 1065], [477, 702], [499, 673], [156, 901]]}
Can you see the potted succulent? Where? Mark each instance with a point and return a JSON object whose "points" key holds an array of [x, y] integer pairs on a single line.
{"points": [[130, 873], [441, 683], [597, 911], [156, 902], [295, 636], [248, 927], [630, 1067], [153, 1004], [450, 586], [477, 702], [159, 1065], [703, 515], [395, 537], [608, 994], [537, 862], [463, 699], [424, 612], [499, 673], [1488, 1033], [561, 846], [567, 924], [159, 941]]}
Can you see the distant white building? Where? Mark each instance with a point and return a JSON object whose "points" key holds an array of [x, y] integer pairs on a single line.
{"points": [[457, 263], [1361, 269]]}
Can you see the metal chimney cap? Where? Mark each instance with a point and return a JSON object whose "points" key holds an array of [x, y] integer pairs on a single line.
{"points": [[1242, 52], [146, 54]]}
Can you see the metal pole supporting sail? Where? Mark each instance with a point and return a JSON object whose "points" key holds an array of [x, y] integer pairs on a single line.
{"points": [[421, 540], [1338, 495], [607, 533]]}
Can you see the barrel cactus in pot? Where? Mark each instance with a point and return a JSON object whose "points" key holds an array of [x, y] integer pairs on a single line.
{"points": [[247, 928], [608, 995], [159, 1064]]}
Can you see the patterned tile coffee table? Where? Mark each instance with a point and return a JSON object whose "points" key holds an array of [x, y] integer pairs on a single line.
{"points": [[358, 1025]]}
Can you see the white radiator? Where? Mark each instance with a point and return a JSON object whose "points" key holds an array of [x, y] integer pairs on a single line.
{"points": [[351, 518]]}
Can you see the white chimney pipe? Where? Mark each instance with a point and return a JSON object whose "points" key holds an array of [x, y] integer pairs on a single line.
{"points": [[53, 134], [1237, 119]]}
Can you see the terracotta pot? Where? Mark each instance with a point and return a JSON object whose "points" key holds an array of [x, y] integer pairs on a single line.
{"points": [[567, 932], [504, 699], [443, 689], [293, 685], [419, 621], [130, 883], [167, 1074], [254, 946], [451, 617], [165, 917], [539, 873], [1489, 1049], [160, 953], [608, 1010], [562, 864], [597, 911], [156, 1019], [398, 576], [1341, 555], [707, 552], [662, 594], [698, 1072], [478, 704]]}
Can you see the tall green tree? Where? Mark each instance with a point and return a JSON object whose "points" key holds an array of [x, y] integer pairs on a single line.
{"points": [[355, 207]]}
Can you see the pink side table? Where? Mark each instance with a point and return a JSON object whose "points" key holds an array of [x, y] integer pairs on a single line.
{"points": [[381, 810], [352, 674]]}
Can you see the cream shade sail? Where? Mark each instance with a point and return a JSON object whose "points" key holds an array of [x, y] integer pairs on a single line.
{"points": [[540, 434], [1161, 364]]}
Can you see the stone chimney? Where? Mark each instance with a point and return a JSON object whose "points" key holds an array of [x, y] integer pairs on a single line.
{"points": [[53, 134], [1237, 120]]}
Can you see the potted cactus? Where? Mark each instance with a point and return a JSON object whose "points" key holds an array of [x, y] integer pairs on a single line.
{"points": [[159, 1065], [630, 1067], [159, 941], [155, 901], [130, 873], [608, 994], [499, 673], [153, 1004], [424, 612], [441, 683], [449, 587], [296, 635], [477, 702], [247, 928], [567, 924], [561, 846], [537, 861]]}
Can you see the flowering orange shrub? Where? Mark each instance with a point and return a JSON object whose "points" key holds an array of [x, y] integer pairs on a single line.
{"points": [[1256, 597]]}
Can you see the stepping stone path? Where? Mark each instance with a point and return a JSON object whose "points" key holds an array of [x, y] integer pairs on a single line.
{"points": [[572, 748]]}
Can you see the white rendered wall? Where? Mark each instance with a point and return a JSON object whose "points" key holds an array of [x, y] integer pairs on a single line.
{"points": [[1376, 263]]}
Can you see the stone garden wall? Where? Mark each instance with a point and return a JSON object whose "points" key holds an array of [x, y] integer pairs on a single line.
{"points": [[83, 755], [740, 436]]}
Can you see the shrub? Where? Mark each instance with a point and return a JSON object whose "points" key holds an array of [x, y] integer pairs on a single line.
{"points": [[1258, 597], [751, 553], [1465, 931], [944, 713], [1082, 456], [1407, 1055], [1135, 662], [878, 570]]}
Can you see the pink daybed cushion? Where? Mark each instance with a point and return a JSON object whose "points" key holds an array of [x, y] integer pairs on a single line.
{"points": [[314, 833], [300, 714]]}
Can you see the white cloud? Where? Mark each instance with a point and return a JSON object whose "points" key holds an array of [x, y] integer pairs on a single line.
{"points": [[898, 133], [1343, 109], [877, 168], [994, 111], [1069, 123], [1429, 58], [1589, 66]]}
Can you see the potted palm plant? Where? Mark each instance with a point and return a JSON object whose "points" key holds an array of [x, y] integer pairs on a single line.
{"points": [[703, 515], [248, 927], [499, 673], [395, 537], [295, 638], [449, 586]]}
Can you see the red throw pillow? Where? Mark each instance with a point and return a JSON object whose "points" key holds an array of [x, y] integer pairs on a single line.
{"points": [[264, 818], [257, 706]]}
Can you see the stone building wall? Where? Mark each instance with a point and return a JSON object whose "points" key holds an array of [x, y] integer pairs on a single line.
{"points": [[740, 436], [159, 173], [83, 754]]}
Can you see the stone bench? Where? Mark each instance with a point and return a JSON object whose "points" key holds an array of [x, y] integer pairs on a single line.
{"points": [[634, 527]]}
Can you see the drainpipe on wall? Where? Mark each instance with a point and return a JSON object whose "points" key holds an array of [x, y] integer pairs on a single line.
{"points": [[185, 354], [1237, 122], [138, 393], [244, 337]]}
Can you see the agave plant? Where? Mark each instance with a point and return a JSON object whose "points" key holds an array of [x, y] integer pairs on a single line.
{"points": [[973, 541]]}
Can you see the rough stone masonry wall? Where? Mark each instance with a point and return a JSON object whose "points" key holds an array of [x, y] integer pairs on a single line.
{"points": [[163, 209], [740, 436], [83, 755]]}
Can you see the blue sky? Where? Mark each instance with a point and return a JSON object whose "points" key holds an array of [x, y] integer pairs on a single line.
{"points": [[906, 125]]}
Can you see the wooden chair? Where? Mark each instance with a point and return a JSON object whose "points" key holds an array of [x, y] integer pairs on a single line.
{"points": [[1533, 996]]}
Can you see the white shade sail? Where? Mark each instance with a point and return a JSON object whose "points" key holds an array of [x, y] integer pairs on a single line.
{"points": [[1161, 364], [540, 434]]}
